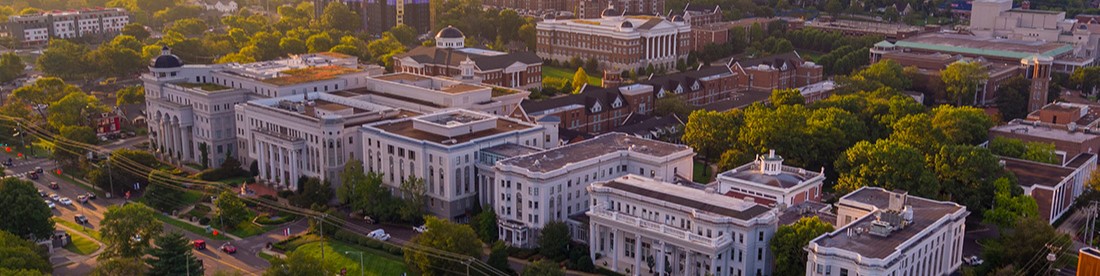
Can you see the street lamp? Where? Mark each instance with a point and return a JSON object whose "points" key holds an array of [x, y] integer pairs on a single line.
{"points": [[361, 267]]}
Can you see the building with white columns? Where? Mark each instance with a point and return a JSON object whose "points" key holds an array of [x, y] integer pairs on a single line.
{"points": [[443, 148], [621, 42], [890, 233], [686, 231], [190, 107], [767, 181], [541, 187]]}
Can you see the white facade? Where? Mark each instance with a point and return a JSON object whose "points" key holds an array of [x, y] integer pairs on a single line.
{"points": [[654, 39], [997, 19], [36, 29], [537, 188], [686, 231], [767, 181], [442, 148], [190, 106], [888, 233]]}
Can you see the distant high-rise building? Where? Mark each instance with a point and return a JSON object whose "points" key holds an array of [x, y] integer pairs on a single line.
{"points": [[378, 16], [37, 29]]}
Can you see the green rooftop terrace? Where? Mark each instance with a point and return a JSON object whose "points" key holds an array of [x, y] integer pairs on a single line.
{"points": [[208, 87], [310, 74]]}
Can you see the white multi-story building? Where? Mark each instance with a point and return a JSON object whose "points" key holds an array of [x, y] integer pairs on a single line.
{"points": [[191, 107], [890, 233], [767, 181], [443, 149], [998, 19], [530, 190], [684, 230], [426, 94], [37, 29], [618, 41]]}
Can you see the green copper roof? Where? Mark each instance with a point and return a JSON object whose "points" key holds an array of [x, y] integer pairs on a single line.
{"points": [[982, 52], [884, 44]]}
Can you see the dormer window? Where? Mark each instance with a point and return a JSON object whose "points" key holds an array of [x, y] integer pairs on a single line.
{"points": [[596, 107], [695, 86], [661, 93], [617, 103], [679, 89]]}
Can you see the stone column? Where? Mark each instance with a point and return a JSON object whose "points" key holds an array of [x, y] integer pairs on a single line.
{"points": [[637, 254], [659, 257], [690, 263], [676, 45], [713, 265], [177, 142], [593, 239], [615, 250], [282, 165], [188, 149], [293, 164]]}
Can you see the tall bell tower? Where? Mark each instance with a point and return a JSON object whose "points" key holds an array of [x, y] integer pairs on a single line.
{"points": [[1037, 70]]}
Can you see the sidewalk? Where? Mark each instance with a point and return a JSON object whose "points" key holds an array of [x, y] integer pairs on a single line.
{"points": [[78, 258]]}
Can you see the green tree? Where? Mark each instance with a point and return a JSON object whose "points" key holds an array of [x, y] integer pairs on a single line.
{"points": [[498, 257], [354, 187], [580, 78], [1010, 205], [887, 164], [446, 236], [136, 30], [1086, 78], [127, 229], [25, 215], [961, 80], [319, 42], [1041, 152], [1027, 239], [780, 129], [64, 59], [188, 27], [172, 256], [1012, 98], [672, 105], [486, 224], [293, 45], [11, 66], [887, 73], [1008, 147], [916, 131], [966, 174], [413, 193], [554, 240], [543, 268], [384, 49], [295, 263], [231, 211], [756, 33], [69, 154], [712, 133], [403, 33], [161, 194], [204, 155], [73, 110], [18, 253], [130, 95], [833, 7], [120, 266], [338, 16], [962, 124], [312, 191], [786, 97], [789, 241], [832, 131]]}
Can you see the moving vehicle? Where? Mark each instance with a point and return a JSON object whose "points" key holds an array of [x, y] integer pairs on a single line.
{"points": [[228, 248], [379, 235], [973, 260], [82, 199], [199, 244], [90, 195], [50, 203], [55, 197], [33, 176], [38, 169], [66, 201], [53, 185], [80, 219], [41, 193], [421, 229]]}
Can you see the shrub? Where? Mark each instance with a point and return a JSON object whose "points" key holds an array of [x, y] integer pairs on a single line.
{"points": [[204, 221], [396, 251], [286, 193], [269, 197]]}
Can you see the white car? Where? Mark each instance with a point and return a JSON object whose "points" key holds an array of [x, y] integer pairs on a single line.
{"points": [[421, 229], [379, 235], [50, 203], [66, 201], [55, 197], [973, 260]]}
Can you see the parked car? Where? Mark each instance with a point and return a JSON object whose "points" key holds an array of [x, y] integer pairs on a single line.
{"points": [[421, 229], [33, 176], [199, 244], [369, 220], [82, 199], [50, 203], [41, 193], [81, 219], [379, 235], [973, 260], [55, 197], [66, 201], [228, 248], [38, 169], [53, 185], [89, 195]]}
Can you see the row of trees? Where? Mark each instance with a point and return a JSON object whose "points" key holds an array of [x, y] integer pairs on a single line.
{"points": [[365, 193]]}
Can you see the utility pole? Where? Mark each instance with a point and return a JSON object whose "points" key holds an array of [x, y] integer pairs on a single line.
{"points": [[1090, 223], [1052, 256], [322, 222], [188, 260], [110, 177], [361, 267]]}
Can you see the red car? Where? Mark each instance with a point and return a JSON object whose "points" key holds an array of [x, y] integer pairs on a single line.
{"points": [[199, 244], [229, 248]]}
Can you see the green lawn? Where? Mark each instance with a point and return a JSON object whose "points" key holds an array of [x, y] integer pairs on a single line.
{"points": [[81, 245], [190, 197], [247, 229], [336, 258], [189, 227], [90, 232], [235, 181], [702, 173], [562, 73]]}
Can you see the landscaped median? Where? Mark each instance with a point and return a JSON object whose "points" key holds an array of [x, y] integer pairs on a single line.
{"points": [[190, 227], [80, 244], [337, 257]]}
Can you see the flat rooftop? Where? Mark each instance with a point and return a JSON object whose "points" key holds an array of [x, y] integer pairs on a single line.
{"points": [[1044, 131], [688, 197], [992, 47], [432, 83], [1030, 173], [309, 74], [508, 150], [560, 157], [406, 129], [925, 213]]}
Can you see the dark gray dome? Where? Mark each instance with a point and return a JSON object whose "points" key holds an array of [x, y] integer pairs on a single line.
{"points": [[450, 32], [626, 24], [167, 60], [611, 12]]}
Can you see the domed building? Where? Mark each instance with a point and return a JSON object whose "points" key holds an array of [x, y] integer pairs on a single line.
{"points": [[619, 38], [452, 58]]}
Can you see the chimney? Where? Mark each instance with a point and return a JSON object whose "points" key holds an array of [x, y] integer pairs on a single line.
{"points": [[898, 200]]}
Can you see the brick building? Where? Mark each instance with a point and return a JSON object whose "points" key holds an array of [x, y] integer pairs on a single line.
{"points": [[780, 71], [37, 29], [699, 15], [450, 57], [1054, 187], [719, 32], [380, 16], [622, 42], [1070, 127], [598, 109]]}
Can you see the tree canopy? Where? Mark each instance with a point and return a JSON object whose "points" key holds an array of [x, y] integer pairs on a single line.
{"points": [[789, 240], [961, 80], [18, 253], [127, 229], [24, 213], [173, 256], [447, 236]]}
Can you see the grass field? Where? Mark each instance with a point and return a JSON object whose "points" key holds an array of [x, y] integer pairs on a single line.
{"points": [[699, 176], [82, 245], [336, 258], [91, 233], [189, 227], [562, 73]]}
